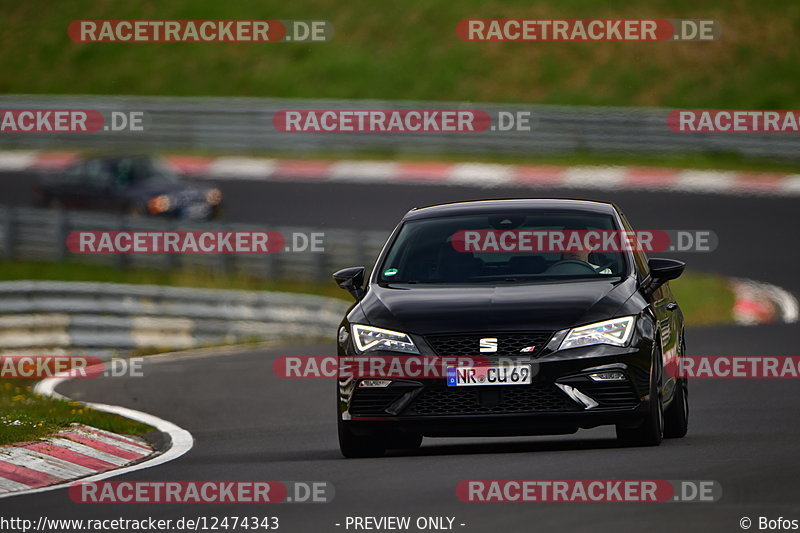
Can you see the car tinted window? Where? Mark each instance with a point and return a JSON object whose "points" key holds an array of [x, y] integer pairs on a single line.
{"points": [[499, 248], [97, 172], [74, 173], [145, 169], [123, 173]]}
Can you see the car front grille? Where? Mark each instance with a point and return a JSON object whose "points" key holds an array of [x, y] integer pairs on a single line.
{"points": [[490, 400], [508, 344]]}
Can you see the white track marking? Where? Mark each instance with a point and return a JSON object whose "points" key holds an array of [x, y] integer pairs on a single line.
{"points": [[241, 168], [116, 437], [44, 463], [112, 442], [704, 181], [362, 171], [16, 161], [77, 447], [7, 485], [480, 174], [594, 177]]}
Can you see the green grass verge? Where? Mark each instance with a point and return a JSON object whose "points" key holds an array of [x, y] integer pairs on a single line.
{"points": [[409, 50], [705, 299], [27, 416], [74, 271]]}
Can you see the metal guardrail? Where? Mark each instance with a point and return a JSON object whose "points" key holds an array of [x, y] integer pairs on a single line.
{"points": [[104, 319], [245, 124], [37, 234]]}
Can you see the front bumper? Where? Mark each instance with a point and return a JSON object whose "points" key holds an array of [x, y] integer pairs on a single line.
{"points": [[430, 407]]}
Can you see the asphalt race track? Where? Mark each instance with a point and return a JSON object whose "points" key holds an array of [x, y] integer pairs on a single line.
{"points": [[250, 425]]}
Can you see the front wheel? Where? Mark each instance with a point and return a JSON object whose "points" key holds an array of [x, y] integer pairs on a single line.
{"points": [[651, 431], [355, 446]]}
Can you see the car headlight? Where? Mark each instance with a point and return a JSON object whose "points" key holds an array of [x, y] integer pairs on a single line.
{"points": [[159, 204], [368, 339], [214, 197], [616, 332]]}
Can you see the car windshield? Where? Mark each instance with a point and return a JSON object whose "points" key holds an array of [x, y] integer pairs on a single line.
{"points": [[501, 248]]}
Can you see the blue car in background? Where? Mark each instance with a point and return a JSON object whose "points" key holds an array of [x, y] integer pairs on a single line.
{"points": [[134, 185]]}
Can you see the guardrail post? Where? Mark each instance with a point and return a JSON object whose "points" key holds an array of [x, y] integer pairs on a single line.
{"points": [[320, 265], [174, 261], [123, 261], [225, 260], [273, 265], [9, 233], [62, 230]]}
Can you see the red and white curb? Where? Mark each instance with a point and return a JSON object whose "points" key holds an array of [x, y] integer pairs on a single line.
{"points": [[70, 454], [442, 173], [757, 302], [85, 453]]}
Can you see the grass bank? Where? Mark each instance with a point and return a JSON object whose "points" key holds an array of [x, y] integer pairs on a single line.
{"points": [[409, 50]]}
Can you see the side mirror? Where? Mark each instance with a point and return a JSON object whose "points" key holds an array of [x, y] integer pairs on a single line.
{"points": [[663, 270], [352, 280]]}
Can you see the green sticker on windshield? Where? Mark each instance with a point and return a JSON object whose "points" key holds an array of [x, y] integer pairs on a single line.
{"points": [[390, 272]]}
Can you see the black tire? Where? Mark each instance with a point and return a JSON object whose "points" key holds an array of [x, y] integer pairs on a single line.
{"points": [[355, 446], [404, 441], [651, 431], [676, 417]]}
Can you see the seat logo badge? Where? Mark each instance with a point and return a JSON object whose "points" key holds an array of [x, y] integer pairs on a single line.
{"points": [[488, 344], [527, 349]]}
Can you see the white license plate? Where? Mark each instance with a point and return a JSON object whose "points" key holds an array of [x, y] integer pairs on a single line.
{"points": [[472, 376]]}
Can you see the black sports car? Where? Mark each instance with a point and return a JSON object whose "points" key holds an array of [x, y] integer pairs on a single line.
{"points": [[135, 185], [566, 341]]}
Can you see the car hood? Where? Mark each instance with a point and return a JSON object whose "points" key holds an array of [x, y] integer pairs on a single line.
{"points": [[475, 308]]}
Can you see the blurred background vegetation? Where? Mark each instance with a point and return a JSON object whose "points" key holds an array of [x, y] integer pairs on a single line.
{"points": [[409, 50]]}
